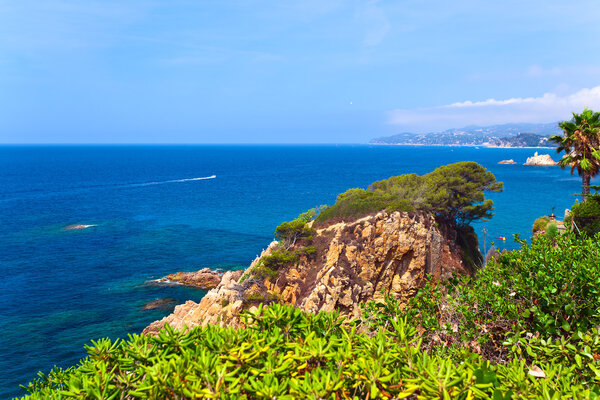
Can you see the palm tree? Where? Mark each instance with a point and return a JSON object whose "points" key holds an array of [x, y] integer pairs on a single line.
{"points": [[581, 144]]}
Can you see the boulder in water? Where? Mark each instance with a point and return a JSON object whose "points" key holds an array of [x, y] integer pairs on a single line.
{"points": [[75, 227], [205, 278], [166, 303], [541, 160]]}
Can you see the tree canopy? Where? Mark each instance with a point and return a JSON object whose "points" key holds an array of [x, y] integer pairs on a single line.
{"points": [[290, 232], [581, 143], [454, 193]]}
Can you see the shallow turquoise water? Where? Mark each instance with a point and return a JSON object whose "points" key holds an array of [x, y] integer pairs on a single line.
{"points": [[62, 288]]}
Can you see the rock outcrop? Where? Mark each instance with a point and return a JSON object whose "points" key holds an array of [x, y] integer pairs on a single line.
{"points": [[354, 262], [205, 278], [511, 161], [221, 305], [541, 160]]}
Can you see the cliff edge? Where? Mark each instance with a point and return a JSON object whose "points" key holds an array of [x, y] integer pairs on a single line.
{"points": [[349, 263]]}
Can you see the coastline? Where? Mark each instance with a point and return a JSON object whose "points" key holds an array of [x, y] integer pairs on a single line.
{"points": [[459, 145]]}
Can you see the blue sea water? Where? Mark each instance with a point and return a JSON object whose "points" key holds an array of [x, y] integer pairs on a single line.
{"points": [[60, 288]]}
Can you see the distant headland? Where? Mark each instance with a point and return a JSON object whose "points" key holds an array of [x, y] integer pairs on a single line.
{"points": [[506, 135]]}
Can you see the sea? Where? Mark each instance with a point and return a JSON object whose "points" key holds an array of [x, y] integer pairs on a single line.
{"points": [[149, 210]]}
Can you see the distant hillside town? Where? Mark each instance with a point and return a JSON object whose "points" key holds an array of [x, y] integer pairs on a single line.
{"points": [[506, 135]]}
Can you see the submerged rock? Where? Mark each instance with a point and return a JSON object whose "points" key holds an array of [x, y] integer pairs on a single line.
{"points": [[541, 160], [75, 227], [166, 303], [354, 262]]}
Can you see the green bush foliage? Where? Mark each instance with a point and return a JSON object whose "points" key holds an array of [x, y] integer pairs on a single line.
{"points": [[469, 247], [279, 258], [551, 230], [586, 216], [356, 202], [454, 193], [295, 240], [307, 250], [526, 327], [550, 287], [264, 272], [539, 225], [287, 354], [288, 233]]}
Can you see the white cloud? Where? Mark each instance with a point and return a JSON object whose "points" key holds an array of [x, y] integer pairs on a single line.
{"points": [[547, 108]]}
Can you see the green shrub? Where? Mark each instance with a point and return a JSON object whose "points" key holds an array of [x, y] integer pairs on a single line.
{"points": [[295, 240], [286, 353], [586, 215], [264, 272], [279, 258], [307, 251], [288, 233], [551, 230], [358, 202], [260, 298], [550, 287], [469, 247], [540, 224]]}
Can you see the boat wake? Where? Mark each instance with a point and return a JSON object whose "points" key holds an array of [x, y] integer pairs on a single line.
{"points": [[35, 193], [171, 181]]}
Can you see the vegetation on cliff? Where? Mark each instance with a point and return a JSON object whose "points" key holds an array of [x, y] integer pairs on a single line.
{"points": [[294, 240], [546, 226], [454, 193], [525, 327], [540, 224], [584, 217]]}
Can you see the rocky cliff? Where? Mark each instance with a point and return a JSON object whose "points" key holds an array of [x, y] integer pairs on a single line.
{"points": [[354, 262]]}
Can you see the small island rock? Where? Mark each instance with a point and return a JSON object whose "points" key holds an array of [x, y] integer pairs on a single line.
{"points": [[511, 161], [205, 278], [540, 159]]}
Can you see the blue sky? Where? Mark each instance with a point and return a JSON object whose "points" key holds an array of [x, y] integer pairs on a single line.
{"points": [[316, 71]]}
